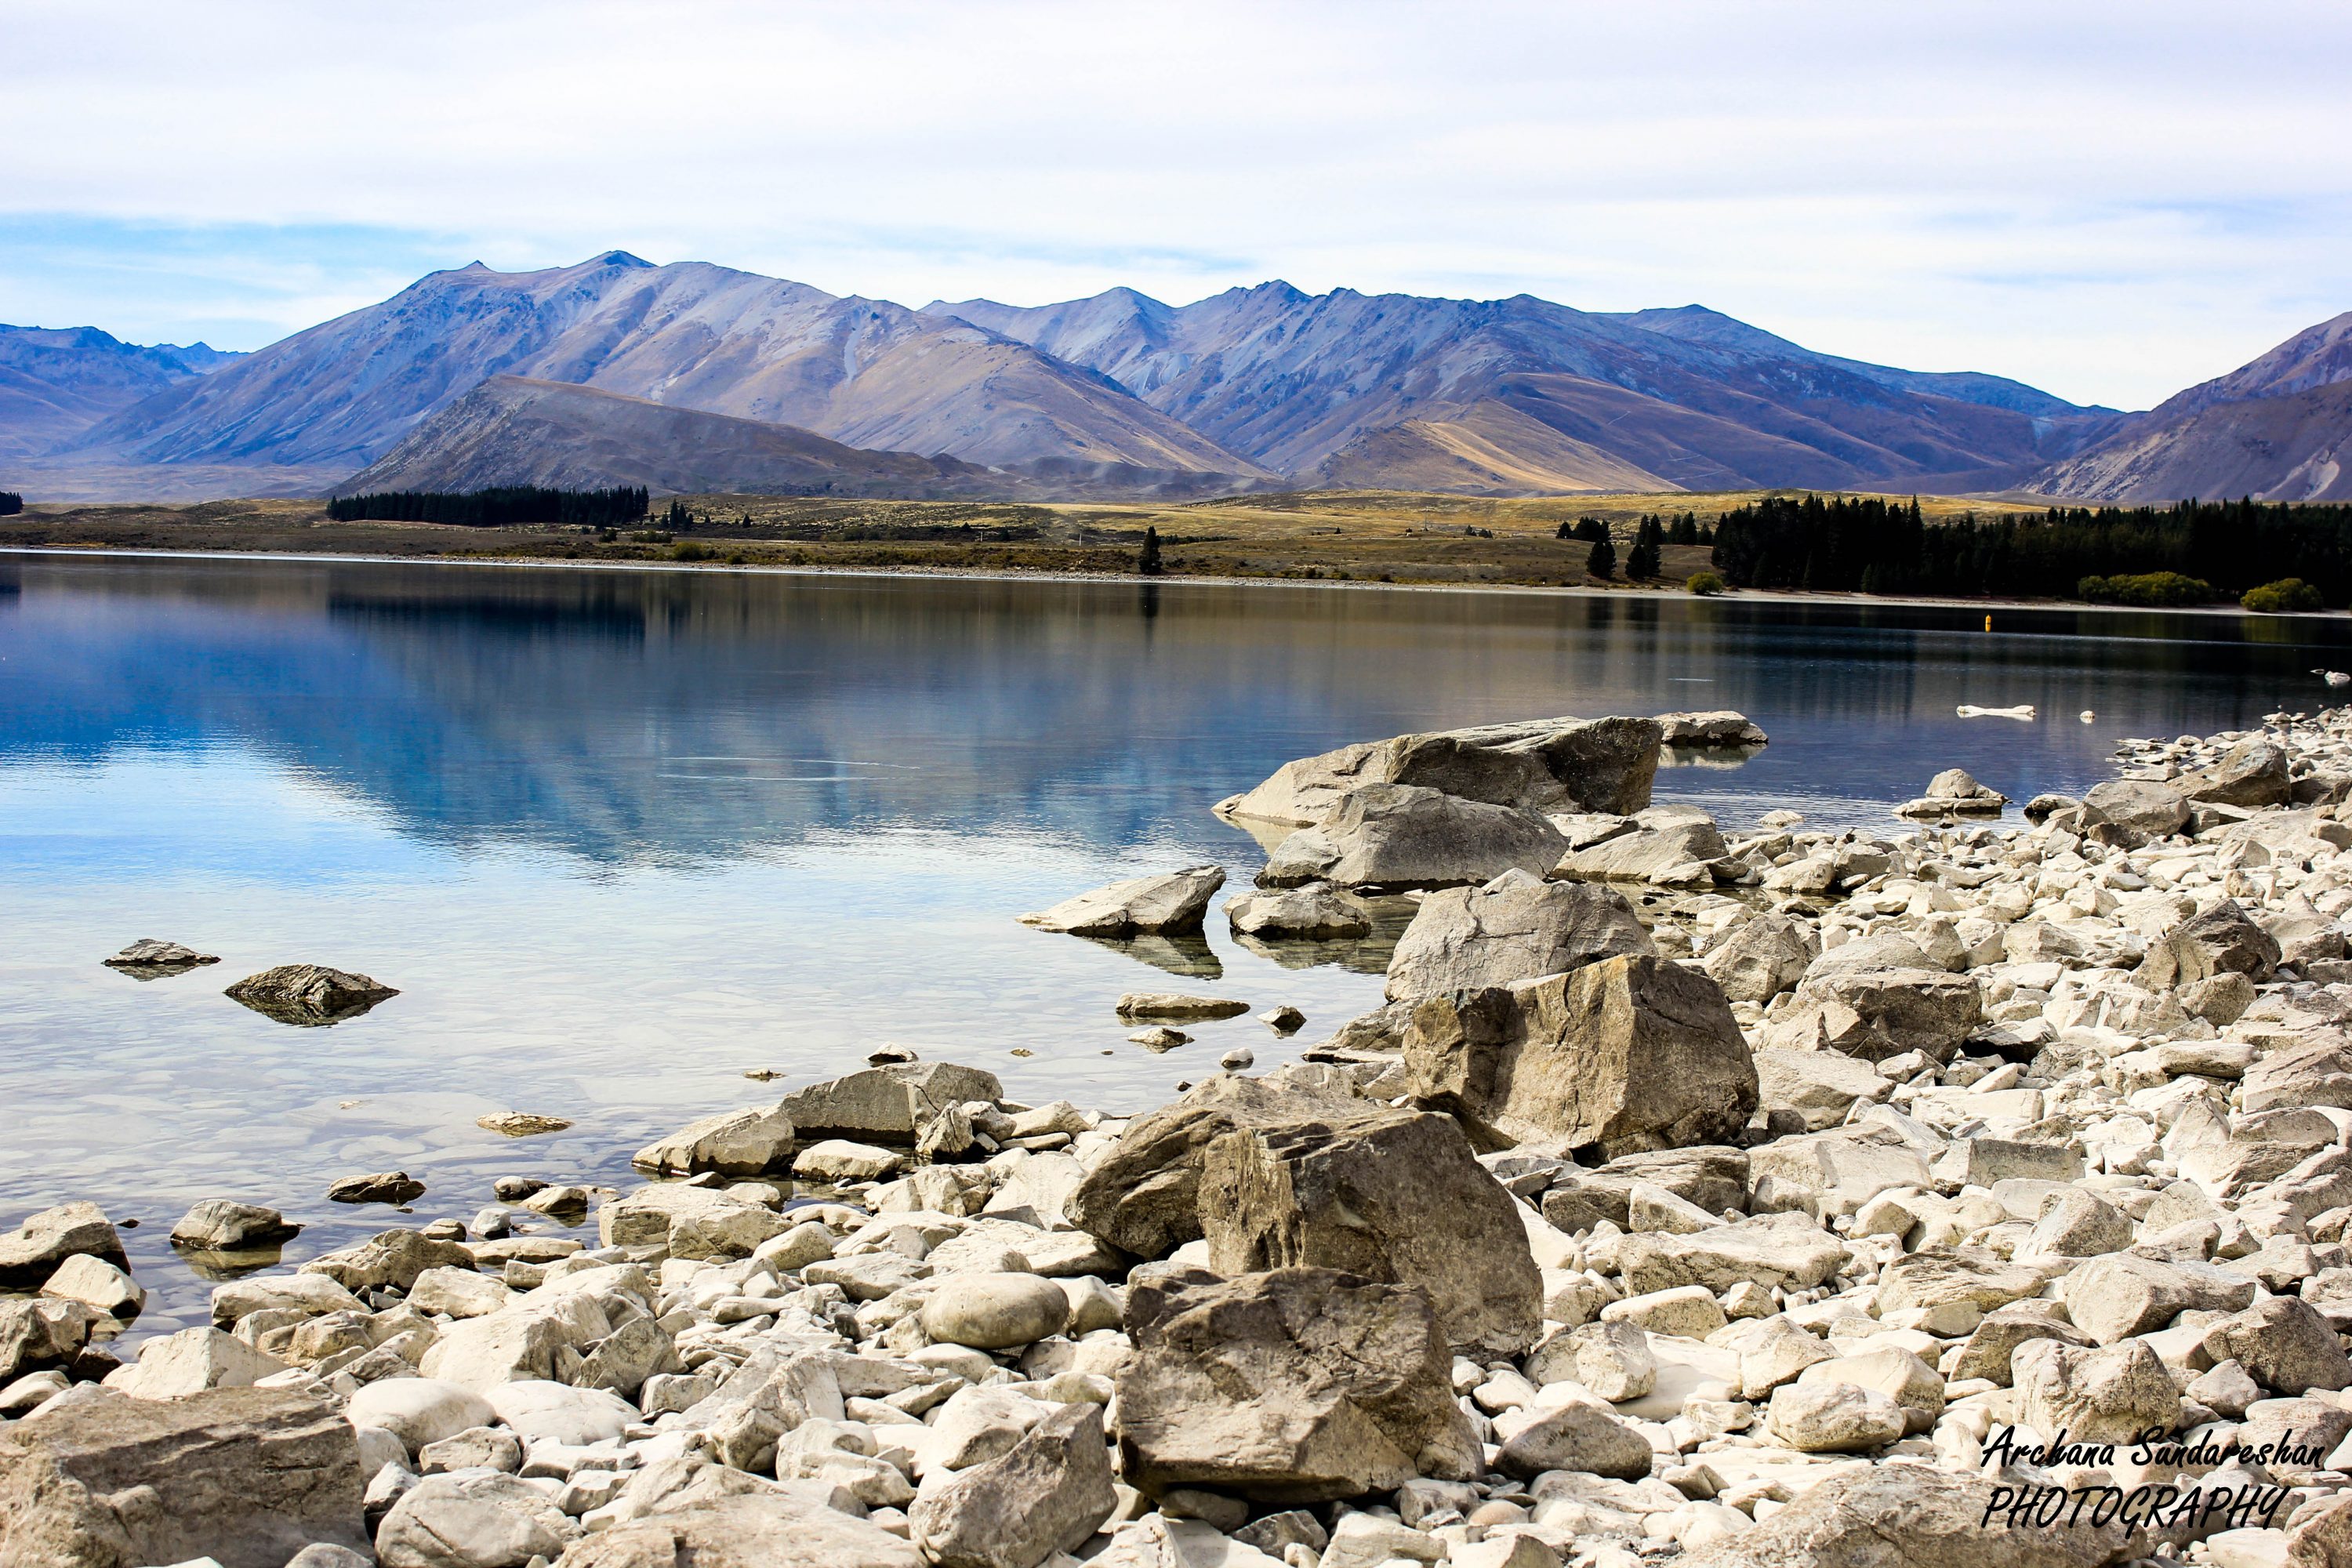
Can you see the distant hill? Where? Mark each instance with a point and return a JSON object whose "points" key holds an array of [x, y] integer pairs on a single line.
{"points": [[1688, 396], [863, 372], [2277, 429], [514, 431], [1696, 323], [56, 383]]}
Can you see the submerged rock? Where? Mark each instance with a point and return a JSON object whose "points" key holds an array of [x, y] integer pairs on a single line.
{"points": [[152, 958], [1317, 911], [1139, 1005], [224, 1224], [1171, 904], [307, 994], [1189, 956], [521, 1123], [381, 1188], [1400, 836], [1719, 727], [1545, 764]]}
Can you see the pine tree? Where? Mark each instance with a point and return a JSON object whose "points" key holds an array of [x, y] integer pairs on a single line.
{"points": [[1602, 561], [1148, 562], [1646, 558]]}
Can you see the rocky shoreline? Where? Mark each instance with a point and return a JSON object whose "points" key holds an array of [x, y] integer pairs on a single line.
{"points": [[1974, 1193]]}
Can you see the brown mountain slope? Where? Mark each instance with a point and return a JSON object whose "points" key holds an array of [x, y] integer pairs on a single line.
{"points": [[1488, 449], [2315, 356], [513, 431], [1288, 379], [2297, 448], [2275, 428]]}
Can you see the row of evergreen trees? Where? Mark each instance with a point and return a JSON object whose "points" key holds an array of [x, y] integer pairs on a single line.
{"points": [[11, 504], [498, 507], [1872, 546], [1652, 533]]}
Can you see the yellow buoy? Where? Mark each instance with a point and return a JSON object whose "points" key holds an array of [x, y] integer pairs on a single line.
{"points": [[1988, 622]]}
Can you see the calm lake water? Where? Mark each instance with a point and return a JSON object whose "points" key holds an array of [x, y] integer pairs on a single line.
{"points": [[618, 837]]}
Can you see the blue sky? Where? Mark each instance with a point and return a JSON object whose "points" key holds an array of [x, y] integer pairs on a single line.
{"points": [[2108, 200]]}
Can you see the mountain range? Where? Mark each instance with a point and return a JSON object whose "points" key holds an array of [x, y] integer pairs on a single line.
{"points": [[57, 383], [694, 377]]}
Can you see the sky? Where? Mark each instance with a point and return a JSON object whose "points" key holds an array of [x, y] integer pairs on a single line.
{"points": [[2110, 201]]}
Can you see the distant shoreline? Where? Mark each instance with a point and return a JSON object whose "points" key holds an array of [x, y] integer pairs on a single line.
{"points": [[1730, 596]]}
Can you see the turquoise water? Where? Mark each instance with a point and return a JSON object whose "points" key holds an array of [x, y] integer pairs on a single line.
{"points": [[618, 837]]}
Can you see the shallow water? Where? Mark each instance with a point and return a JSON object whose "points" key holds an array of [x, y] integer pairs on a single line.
{"points": [[618, 837]]}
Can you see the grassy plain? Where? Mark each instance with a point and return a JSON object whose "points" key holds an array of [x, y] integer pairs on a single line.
{"points": [[1342, 535]]}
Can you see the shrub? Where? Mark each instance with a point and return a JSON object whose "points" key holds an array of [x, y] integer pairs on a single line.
{"points": [[2280, 598], [2152, 589], [689, 550], [1706, 585]]}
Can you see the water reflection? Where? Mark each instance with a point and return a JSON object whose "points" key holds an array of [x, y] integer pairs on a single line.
{"points": [[661, 716]]}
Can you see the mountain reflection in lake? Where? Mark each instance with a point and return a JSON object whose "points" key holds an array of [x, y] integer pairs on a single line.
{"points": [[618, 837]]}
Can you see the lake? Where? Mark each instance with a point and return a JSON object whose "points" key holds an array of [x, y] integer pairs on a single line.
{"points": [[620, 835]]}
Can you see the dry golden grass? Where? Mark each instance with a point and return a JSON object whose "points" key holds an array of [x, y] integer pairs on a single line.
{"points": [[1359, 535]]}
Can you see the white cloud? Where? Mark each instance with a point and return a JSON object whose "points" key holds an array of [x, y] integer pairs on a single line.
{"points": [[2108, 200]]}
